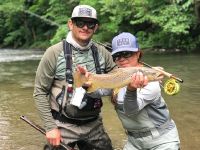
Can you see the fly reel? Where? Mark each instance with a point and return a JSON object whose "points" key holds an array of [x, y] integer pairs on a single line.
{"points": [[171, 87]]}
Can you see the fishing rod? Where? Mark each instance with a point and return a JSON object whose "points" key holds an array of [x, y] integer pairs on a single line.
{"points": [[106, 46], [147, 65], [41, 130], [163, 72], [171, 86]]}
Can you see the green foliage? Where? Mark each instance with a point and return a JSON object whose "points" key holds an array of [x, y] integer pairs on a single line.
{"points": [[3, 32], [60, 10], [169, 24], [14, 38], [22, 28], [60, 34]]}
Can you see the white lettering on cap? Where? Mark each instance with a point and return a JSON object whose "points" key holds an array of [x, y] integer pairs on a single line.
{"points": [[85, 12], [123, 42]]}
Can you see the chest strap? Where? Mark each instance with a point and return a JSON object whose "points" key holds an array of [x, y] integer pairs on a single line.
{"points": [[68, 59]]}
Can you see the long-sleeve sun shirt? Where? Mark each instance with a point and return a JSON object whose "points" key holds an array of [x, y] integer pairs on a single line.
{"points": [[52, 67], [143, 109]]}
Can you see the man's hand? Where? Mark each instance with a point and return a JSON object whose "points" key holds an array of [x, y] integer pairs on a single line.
{"points": [[138, 81], [84, 71], [54, 137]]}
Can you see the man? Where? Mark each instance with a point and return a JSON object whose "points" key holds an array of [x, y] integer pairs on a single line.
{"points": [[140, 106], [54, 93]]}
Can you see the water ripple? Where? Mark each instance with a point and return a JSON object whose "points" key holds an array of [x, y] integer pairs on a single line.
{"points": [[7, 55]]}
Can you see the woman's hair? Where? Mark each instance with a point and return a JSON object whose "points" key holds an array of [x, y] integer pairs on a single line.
{"points": [[141, 54]]}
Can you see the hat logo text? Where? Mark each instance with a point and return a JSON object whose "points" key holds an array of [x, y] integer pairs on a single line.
{"points": [[85, 12], [123, 42]]}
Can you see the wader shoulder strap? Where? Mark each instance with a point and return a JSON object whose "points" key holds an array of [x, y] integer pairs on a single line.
{"points": [[96, 58], [68, 58]]}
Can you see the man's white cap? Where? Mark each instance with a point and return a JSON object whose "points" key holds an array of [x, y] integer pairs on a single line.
{"points": [[84, 11]]}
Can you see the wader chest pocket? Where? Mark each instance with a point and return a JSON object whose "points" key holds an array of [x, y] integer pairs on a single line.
{"points": [[91, 108]]}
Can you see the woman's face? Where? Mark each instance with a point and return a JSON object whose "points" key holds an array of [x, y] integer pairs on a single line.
{"points": [[127, 60]]}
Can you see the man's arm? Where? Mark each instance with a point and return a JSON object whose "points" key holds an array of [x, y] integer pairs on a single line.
{"points": [[43, 81]]}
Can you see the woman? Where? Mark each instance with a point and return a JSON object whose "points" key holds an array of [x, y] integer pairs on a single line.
{"points": [[142, 111]]}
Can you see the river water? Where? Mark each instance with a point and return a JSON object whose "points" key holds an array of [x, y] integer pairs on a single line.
{"points": [[17, 71]]}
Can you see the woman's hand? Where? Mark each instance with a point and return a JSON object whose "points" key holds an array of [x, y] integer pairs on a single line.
{"points": [[138, 81]]}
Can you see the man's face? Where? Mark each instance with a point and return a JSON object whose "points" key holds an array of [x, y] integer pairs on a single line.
{"points": [[82, 29]]}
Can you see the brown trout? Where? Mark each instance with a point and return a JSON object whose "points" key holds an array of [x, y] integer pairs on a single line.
{"points": [[116, 79]]}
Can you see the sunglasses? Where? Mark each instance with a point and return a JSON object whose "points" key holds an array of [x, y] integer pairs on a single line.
{"points": [[119, 55], [81, 23]]}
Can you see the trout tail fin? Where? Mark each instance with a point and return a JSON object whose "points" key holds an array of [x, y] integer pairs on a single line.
{"points": [[79, 79]]}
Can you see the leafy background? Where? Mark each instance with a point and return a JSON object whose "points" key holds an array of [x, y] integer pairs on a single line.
{"points": [[158, 24]]}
